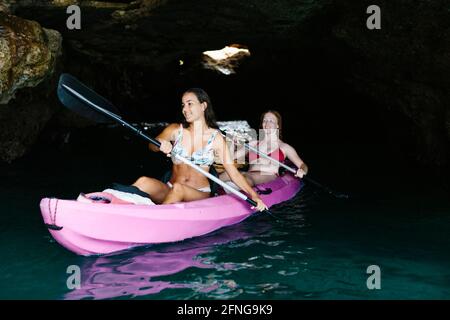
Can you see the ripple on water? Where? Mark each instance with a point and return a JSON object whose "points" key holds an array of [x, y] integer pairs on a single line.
{"points": [[291, 272], [251, 242], [211, 287], [273, 257]]}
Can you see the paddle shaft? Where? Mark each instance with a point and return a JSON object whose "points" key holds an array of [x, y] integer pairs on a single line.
{"points": [[158, 144], [264, 155], [281, 164]]}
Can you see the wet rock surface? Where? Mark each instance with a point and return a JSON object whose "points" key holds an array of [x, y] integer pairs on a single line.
{"points": [[28, 58], [28, 54]]}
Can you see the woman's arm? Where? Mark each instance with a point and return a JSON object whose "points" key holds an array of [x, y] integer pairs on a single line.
{"points": [[241, 152], [225, 158], [165, 137], [292, 155]]}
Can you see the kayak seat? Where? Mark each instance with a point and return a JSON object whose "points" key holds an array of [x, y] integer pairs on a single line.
{"points": [[213, 185]]}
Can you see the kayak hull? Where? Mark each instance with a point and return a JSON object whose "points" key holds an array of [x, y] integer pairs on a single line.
{"points": [[100, 228]]}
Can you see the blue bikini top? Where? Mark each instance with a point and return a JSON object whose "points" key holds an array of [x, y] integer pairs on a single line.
{"points": [[202, 157]]}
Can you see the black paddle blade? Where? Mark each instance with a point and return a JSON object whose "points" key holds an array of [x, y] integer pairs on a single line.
{"points": [[73, 94]]}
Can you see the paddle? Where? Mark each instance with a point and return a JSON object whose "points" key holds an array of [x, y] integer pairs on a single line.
{"points": [[82, 100], [264, 155]]}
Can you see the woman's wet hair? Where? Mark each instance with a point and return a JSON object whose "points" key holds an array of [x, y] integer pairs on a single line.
{"points": [[279, 120], [210, 116]]}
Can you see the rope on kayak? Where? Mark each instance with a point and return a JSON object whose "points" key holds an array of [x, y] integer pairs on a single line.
{"points": [[53, 214]]}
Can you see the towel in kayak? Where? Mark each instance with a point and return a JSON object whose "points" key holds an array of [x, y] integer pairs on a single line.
{"points": [[114, 197]]}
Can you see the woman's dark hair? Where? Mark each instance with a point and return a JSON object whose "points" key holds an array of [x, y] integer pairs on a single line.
{"points": [[210, 116], [277, 115]]}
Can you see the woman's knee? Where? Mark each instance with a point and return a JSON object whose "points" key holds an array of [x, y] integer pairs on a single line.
{"points": [[141, 180], [144, 182]]}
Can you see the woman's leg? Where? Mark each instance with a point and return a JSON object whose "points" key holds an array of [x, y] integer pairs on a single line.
{"points": [[155, 188], [181, 192], [249, 178], [224, 177], [253, 178], [256, 177]]}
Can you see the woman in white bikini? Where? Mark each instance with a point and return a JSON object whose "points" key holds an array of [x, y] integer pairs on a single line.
{"points": [[262, 170], [196, 139]]}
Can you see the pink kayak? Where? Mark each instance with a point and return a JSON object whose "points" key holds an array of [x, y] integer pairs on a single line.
{"points": [[100, 228]]}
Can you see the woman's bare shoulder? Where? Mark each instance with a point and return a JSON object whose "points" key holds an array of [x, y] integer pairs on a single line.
{"points": [[218, 139], [169, 131], [284, 146], [173, 126]]}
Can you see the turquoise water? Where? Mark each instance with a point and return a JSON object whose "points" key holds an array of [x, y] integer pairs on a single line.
{"points": [[320, 250]]}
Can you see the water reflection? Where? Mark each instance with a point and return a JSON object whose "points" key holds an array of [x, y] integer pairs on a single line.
{"points": [[134, 273]]}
